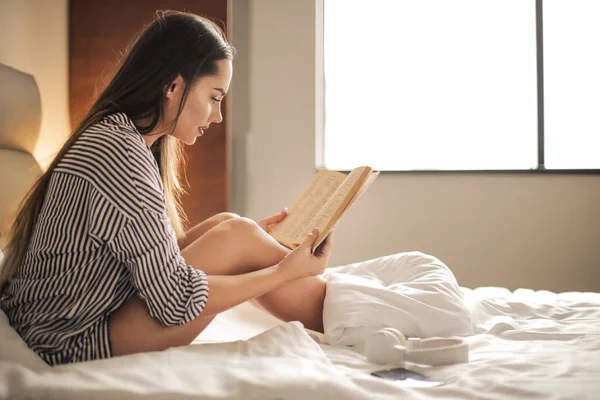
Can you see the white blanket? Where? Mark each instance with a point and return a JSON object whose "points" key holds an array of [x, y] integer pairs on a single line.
{"points": [[527, 344], [283, 363], [412, 292], [548, 347], [539, 315]]}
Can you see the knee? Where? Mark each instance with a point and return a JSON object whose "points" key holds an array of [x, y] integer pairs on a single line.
{"points": [[225, 216], [241, 225], [254, 248]]}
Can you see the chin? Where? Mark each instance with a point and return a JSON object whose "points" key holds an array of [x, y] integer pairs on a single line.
{"points": [[188, 141]]}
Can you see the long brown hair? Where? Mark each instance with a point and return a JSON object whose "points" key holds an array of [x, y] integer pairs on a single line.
{"points": [[175, 43]]}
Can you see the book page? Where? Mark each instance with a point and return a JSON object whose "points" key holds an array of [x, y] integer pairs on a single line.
{"points": [[295, 226], [362, 189], [340, 201], [365, 185]]}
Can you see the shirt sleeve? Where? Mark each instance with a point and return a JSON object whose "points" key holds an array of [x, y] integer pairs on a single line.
{"points": [[175, 293]]}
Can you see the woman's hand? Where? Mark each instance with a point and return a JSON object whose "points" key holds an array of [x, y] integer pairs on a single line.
{"points": [[268, 223], [303, 261]]}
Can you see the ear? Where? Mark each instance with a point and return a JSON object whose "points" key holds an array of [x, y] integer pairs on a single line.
{"points": [[174, 87]]}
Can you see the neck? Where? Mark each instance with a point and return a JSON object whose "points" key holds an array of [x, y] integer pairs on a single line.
{"points": [[151, 137]]}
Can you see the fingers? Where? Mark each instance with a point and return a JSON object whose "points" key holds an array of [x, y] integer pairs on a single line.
{"points": [[273, 219], [270, 220], [310, 239]]}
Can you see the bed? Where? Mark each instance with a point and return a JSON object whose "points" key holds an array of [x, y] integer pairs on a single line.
{"points": [[524, 344]]}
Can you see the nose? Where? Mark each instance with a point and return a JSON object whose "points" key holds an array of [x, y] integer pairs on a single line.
{"points": [[216, 116]]}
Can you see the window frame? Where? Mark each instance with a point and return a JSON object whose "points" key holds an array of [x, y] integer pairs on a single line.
{"points": [[540, 169]]}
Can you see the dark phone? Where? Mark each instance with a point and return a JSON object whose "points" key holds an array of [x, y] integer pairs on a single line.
{"points": [[399, 374]]}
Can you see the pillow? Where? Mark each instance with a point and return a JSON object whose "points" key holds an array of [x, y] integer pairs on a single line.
{"points": [[13, 348]]}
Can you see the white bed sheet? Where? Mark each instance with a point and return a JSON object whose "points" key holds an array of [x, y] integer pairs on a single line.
{"points": [[527, 345], [281, 363]]}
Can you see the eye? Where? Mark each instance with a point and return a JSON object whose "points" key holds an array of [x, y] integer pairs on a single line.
{"points": [[214, 99]]}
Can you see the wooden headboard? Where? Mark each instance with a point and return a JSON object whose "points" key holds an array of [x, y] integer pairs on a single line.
{"points": [[20, 120]]}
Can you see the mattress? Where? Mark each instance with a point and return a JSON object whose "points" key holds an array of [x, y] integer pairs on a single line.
{"points": [[527, 345]]}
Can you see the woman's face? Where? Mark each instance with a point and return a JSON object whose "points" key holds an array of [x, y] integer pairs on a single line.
{"points": [[203, 103]]}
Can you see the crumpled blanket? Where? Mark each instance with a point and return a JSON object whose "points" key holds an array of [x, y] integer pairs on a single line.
{"points": [[412, 292]]}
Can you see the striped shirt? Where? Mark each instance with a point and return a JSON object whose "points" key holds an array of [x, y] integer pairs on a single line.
{"points": [[102, 235]]}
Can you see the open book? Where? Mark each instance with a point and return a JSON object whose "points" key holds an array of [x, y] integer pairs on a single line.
{"points": [[322, 204]]}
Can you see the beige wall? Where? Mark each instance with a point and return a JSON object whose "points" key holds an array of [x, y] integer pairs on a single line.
{"points": [[537, 231], [33, 39]]}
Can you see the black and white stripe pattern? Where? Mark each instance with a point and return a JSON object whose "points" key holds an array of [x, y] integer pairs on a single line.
{"points": [[103, 235]]}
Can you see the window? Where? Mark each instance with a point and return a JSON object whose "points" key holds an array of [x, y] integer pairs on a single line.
{"points": [[453, 85], [572, 84]]}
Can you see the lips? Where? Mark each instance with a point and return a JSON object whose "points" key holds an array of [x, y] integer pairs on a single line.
{"points": [[201, 130]]}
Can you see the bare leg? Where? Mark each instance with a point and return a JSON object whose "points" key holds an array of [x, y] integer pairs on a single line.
{"points": [[235, 246], [297, 300], [301, 300], [200, 229], [251, 248], [133, 330]]}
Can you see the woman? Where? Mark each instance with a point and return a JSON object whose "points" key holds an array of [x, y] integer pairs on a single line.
{"points": [[93, 268]]}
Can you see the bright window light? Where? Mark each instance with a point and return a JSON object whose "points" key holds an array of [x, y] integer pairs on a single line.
{"points": [[434, 84], [572, 84]]}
